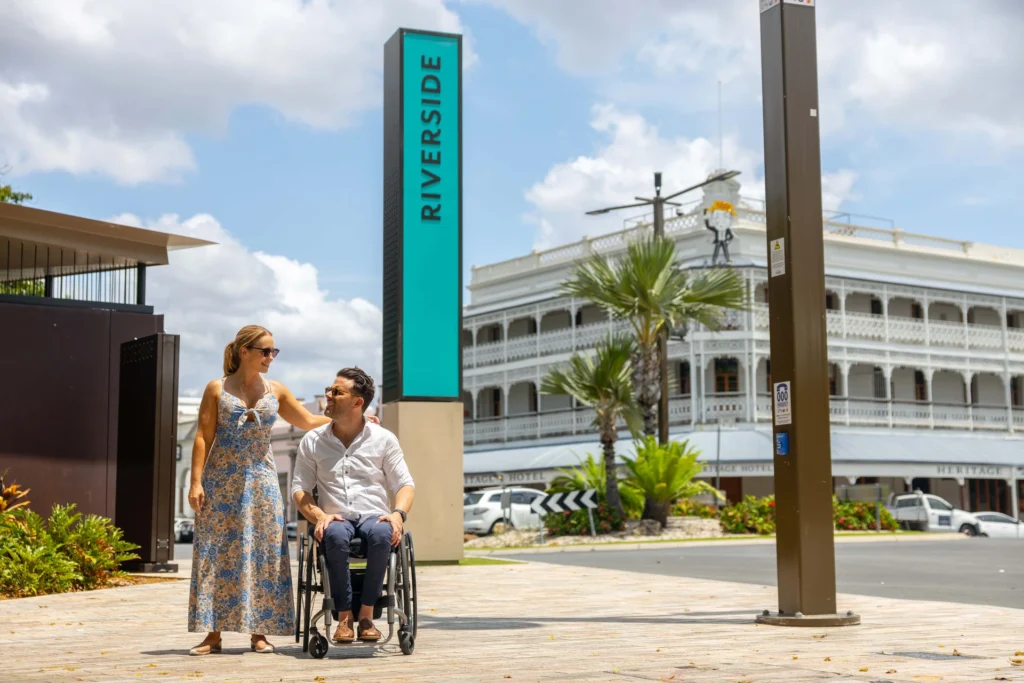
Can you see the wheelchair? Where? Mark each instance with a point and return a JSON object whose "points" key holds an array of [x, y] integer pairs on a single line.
{"points": [[398, 596]]}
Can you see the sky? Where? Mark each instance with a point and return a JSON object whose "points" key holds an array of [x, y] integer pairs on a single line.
{"points": [[257, 124]]}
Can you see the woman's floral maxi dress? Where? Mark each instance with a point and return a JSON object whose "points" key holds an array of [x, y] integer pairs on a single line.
{"points": [[241, 573]]}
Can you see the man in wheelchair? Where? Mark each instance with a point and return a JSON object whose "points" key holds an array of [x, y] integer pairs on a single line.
{"points": [[353, 463]]}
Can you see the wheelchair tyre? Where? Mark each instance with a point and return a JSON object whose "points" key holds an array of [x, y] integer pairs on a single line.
{"points": [[308, 595], [299, 593], [318, 646], [406, 641]]}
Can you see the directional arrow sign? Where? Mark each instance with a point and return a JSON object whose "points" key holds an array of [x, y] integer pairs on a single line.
{"points": [[564, 502]]}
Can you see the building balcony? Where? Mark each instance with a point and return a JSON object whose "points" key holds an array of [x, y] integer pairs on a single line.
{"points": [[737, 407], [842, 327]]}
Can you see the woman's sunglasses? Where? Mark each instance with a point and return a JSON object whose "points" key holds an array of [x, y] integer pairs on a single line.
{"points": [[268, 352]]}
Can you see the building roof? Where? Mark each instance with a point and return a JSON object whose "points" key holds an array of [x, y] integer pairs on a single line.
{"points": [[35, 243], [755, 445]]}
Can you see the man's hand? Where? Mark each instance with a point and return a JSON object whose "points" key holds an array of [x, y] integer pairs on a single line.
{"points": [[373, 418], [395, 520], [321, 525]]}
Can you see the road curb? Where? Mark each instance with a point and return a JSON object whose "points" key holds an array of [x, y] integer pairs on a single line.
{"points": [[658, 545]]}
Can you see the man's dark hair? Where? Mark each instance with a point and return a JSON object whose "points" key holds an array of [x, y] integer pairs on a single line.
{"points": [[362, 384]]}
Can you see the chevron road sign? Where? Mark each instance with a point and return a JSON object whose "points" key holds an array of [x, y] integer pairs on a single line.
{"points": [[564, 502]]}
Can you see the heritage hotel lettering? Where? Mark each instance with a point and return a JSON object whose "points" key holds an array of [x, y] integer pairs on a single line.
{"points": [[430, 138]]}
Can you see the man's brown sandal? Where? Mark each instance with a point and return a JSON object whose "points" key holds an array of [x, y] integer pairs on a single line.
{"points": [[344, 633], [367, 631]]}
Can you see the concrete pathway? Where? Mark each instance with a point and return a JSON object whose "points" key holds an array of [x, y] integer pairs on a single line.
{"points": [[527, 622]]}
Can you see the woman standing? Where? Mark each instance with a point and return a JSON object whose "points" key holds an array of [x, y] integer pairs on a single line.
{"points": [[241, 574]]}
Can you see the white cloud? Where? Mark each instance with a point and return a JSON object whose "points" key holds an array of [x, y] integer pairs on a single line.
{"points": [[207, 294], [949, 68], [114, 86], [623, 169]]}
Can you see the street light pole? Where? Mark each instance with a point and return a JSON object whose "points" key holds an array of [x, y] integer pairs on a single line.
{"points": [[658, 204]]}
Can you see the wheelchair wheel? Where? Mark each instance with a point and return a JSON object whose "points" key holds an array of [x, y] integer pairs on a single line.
{"points": [[300, 588], [308, 595], [407, 632], [318, 648]]}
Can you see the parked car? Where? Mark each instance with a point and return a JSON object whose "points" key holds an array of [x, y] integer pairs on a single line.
{"points": [[998, 525], [926, 512], [482, 510], [292, 529], [184, 529]]}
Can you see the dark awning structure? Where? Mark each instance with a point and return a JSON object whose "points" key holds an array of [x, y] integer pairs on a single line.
{"points": [[55, 255]]}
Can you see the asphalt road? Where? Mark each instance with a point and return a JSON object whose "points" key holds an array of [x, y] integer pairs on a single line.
{"points": [[973, 571]]}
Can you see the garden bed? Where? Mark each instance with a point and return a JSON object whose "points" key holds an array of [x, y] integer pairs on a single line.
{"points": [[679, 528]]}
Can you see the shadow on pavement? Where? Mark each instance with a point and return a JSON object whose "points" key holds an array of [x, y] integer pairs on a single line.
{"points": [[506, 624]]}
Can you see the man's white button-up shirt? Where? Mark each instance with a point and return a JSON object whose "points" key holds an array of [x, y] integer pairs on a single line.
{"points": [[351, 482]]}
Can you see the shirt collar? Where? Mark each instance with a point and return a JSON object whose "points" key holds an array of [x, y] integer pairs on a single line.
{"points": [[364, 434]]}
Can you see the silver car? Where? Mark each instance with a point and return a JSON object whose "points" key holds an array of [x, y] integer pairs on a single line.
{"points": [[482, 510]]}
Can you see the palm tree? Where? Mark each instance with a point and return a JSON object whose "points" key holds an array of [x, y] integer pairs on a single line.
{"points": [[590, 474], [651, 290], [602, 382], [663, 474]]}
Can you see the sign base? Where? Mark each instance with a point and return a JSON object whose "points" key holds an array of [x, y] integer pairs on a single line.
{"points": [[430, 433], [809, 620]]}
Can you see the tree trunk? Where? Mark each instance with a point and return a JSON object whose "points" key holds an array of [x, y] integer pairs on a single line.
{"points": [[655, 510], [610, 477], [646, 386]]}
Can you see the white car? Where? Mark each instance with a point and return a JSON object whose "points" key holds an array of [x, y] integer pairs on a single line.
{"points": [[482, 510], [998, 525], [925, 512]]}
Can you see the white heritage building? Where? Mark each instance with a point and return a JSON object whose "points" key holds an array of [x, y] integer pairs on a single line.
{"points": [[926, 352]]}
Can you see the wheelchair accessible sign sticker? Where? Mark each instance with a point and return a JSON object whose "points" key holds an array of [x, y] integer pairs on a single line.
{"points": [[783, 404]]}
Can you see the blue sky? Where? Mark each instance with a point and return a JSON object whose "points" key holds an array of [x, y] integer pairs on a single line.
{"points": [[258, 124]]}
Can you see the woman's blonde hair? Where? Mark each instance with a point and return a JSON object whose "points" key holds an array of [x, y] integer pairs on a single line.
{"points": [[247, 336]]}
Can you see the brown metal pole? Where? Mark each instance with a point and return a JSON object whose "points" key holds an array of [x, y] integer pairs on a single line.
{"points": [[799, 342]]}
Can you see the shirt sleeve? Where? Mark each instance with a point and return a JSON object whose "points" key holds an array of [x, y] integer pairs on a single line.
{"points": [[395, 470], [304, 476]]}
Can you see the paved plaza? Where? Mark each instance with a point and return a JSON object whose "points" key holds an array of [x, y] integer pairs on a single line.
{"points": [[528, 622]]}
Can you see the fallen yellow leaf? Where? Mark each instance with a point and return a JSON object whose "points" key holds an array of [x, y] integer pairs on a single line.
{"points": [[822, 636], [956, 653], [828, 659], [863, 669], [795, 657], [507, 676], [891, 671]]}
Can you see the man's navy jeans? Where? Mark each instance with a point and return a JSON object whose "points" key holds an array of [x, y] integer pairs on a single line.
{"points": [[376, 537]]}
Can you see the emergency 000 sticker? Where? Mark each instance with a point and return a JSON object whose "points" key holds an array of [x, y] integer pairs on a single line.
{"points": [[783, 404]]}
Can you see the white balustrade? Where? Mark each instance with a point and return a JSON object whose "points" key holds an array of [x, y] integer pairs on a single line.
{"points": [[865, 326], [990, 417], [725, 406], [950, 415]]}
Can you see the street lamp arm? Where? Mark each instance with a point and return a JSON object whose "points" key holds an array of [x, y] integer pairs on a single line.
{"points": [[616, 208]]}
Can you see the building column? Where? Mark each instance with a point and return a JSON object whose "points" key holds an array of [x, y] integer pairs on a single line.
{"points": [[750, 382], [1014, 502], [504, 335], [885, 315], [693, 384], [842, 304], [968, 376], [928, 373], [844, 370], [967, 329], [927, 330], [887, 373], [1008, 397]]}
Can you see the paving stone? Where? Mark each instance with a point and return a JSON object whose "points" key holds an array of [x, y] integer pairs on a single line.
{"points": [[526, 622]]}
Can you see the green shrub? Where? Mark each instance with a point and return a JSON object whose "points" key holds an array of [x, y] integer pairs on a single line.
{"points": [[577, 523], [690, 508], [65, 553], [749, 516], [850, 516], [590, 474], [757, 516]]}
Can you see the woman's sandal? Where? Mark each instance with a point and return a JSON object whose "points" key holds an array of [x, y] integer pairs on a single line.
{"points": [[265, 649], [199, 650]]}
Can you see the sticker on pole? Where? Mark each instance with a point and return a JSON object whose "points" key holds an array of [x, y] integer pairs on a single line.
{"points": [[783, 404], [778, 257]]}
